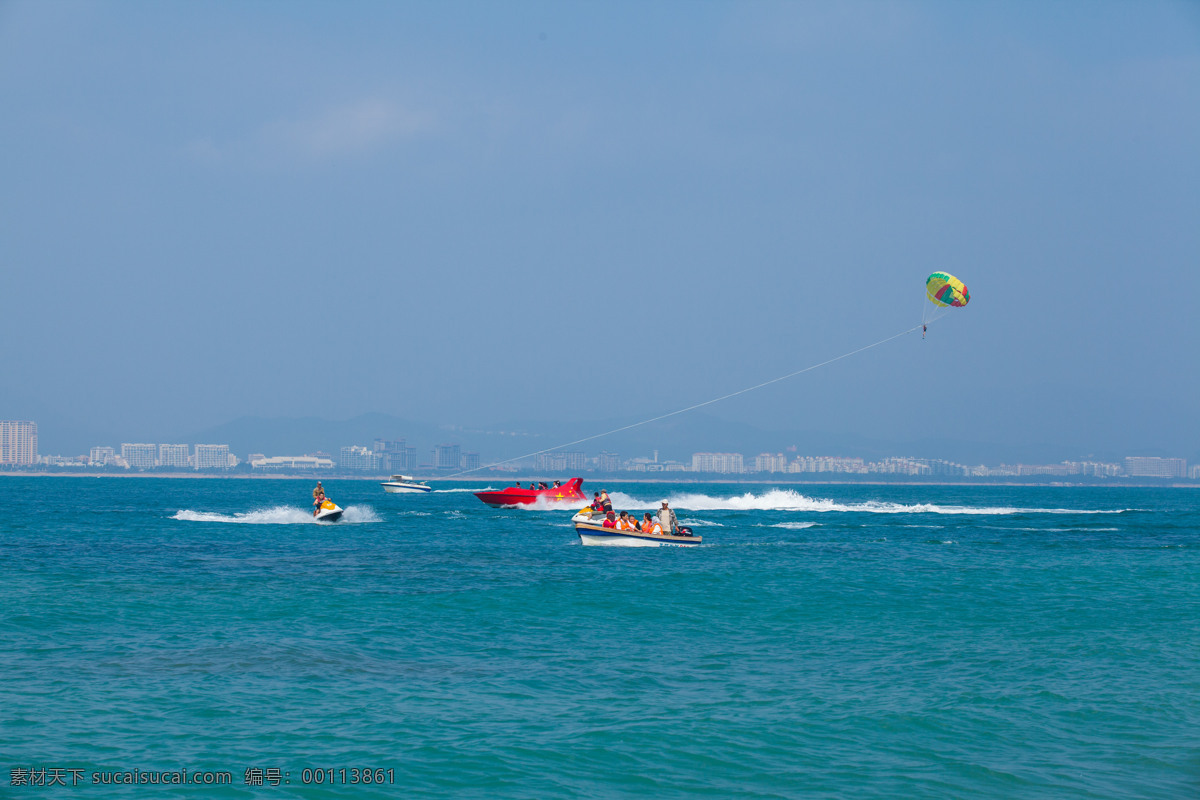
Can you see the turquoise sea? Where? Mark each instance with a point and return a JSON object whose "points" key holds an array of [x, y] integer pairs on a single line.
{"points": [[824, 642]]}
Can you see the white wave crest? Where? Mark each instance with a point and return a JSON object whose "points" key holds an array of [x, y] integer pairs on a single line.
{"points": [[279, 515], [452, 491], [791, 500], [793, 526], [552, 504]]}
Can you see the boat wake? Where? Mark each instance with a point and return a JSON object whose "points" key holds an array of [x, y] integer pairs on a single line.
{"points": [[452, 491], [791, 500], [279, 515]]}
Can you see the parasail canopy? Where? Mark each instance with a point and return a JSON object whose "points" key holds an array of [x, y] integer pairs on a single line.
{"points": [[946, 290]]}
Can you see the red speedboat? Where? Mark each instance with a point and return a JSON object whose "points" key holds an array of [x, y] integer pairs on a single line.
{"points": [[569, 493]]}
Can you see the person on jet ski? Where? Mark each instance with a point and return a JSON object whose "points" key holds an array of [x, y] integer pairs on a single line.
{"points": [[318, 498]]}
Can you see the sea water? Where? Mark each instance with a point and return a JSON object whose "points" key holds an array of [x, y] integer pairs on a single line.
{"points": [[824, 641]]}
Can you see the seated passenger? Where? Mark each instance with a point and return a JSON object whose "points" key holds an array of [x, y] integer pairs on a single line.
{"points": [[597, 506], [557, 484], [605, 501], [624, 523], [650, 524], [543, 485], [610, 520]]}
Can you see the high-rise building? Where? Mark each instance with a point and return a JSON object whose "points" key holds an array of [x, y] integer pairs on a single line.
{"points": [[18, 442], [470, 461], [728, 463], [1152, 467], [396, 455], [173, 455], [139, 455], [447, 456], [560, 462], [770, 462], [213, 456], [608, 462], [360, 459], [102, 456]]}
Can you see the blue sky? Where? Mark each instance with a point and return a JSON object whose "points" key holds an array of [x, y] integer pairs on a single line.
{"points": [[474, 213]]}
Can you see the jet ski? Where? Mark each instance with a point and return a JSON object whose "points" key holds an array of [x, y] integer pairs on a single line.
{"points": [[329, 512]]}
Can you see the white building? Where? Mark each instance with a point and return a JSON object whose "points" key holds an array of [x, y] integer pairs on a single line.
{"points": [[283, 463], [102, 456], [174, 455], [770, 462], [1153, 467], [214, 456], [726, 463], [18, 442], [139, 455], [360, 459], [827, 464], [447, 456]]}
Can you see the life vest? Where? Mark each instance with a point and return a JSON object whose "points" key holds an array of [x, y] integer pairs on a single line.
{"points": [[610, 523], [654, 528]]}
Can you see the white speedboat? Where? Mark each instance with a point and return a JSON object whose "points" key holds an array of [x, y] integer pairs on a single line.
{"points": [[404, 483], [329, 512], [594, 533]]}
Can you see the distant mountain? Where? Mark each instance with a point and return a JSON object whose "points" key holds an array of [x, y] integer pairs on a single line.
{"points": [[297, 436], [675, 439]]}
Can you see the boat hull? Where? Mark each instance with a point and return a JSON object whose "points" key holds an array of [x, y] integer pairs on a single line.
{"points": [[593, 535], [405, 488], [568, 494]]}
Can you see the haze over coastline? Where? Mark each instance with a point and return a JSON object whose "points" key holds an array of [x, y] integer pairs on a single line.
{"points": [[479, 216]]}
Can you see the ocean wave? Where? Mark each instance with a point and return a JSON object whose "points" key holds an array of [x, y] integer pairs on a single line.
{"points": [[551, 504], [279, 515], [793, 526], [791, 500]]}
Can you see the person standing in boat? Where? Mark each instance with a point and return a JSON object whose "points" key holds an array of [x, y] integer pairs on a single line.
{"points": [[605, 502], [667, 519]]}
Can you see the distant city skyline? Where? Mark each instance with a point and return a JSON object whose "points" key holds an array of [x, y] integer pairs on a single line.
{"points": [[564, 215], [449, 459]]}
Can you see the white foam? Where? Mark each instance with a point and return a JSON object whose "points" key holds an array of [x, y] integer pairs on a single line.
{"points": [[553, 504], [279, 515], [452, 491], [793, 526], [791, 500]]}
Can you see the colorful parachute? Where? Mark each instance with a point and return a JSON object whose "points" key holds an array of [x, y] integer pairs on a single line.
{"points": [[946, 290]]}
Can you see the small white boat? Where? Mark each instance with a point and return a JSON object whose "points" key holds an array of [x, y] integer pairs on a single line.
{"points": [[329, 512], [403, 484], [594, 533]]}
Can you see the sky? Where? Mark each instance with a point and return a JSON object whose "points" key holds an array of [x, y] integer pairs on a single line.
{"points": [[480, 213]]}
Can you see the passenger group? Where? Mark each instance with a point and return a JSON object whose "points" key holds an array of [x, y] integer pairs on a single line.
{"points": [[665, 523]]}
